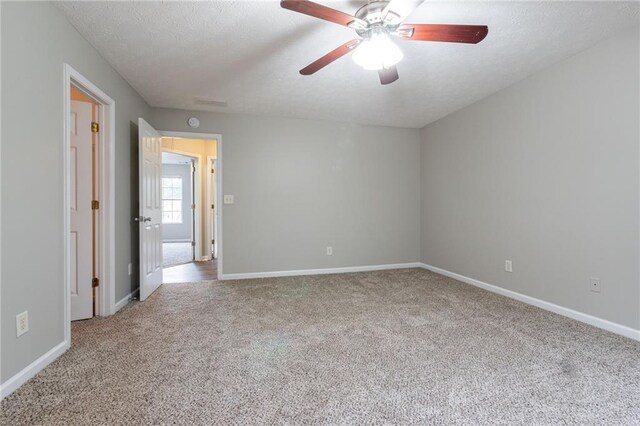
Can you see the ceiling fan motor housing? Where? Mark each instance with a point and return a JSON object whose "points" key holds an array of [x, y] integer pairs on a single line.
{"points": [[373, 14]]}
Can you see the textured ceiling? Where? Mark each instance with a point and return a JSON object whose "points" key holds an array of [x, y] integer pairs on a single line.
{"points": [[248, 53]]}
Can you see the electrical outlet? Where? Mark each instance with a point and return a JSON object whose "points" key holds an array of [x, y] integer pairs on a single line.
{"points": [[508, 266], [594, 285], [228, 199], [130, 268], [22, 323], [329, 251]]}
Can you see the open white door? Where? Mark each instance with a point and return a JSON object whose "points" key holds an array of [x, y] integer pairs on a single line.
{"points": [[80, 240], [150, 219]]}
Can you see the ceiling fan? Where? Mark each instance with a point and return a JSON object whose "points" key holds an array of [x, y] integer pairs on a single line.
{"points": [[376, 22]]}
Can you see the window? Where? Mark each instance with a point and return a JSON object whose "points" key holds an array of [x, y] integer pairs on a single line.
{"points": [[171, 200]]}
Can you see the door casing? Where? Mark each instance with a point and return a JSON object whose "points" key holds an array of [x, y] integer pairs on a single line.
{"points": [[105, 296], [211, 228]]}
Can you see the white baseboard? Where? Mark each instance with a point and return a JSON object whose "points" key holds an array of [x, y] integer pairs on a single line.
{"points": [[125, 300], [36, 366], [613, 327], [32, 369], [301, 272]]}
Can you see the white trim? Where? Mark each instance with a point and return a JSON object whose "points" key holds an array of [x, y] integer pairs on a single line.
{"points": [[218, 138], [106, 164], [613, 327], [209, 232], [301, 272], [122, 302], [32, 369], [107, 220], [219, 250]]}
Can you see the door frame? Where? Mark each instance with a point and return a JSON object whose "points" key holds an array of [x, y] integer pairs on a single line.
{"points": [[218, 138], [209, 230], [105, 296], [196, 190]]}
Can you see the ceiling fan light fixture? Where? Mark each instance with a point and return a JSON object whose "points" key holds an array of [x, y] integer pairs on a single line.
{"points": [[377, 52], [374, 23]]}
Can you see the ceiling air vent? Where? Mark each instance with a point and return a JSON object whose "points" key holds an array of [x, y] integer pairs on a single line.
{"points": [[210, 102]]}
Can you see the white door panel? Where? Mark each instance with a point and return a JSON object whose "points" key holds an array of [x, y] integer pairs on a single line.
{"points": [[80, 215], [150, 185]]}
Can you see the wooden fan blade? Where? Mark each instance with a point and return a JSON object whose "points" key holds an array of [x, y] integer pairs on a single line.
{"points": [[330, 57], [322, 12], [398, 10], [388, 76], [450, 33]]}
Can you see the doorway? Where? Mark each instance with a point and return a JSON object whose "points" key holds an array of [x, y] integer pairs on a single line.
{"points": [[179, 200], [88, 199], [195, 153]]}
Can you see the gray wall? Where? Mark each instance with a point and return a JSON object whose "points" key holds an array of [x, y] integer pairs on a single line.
{"points": [[184, 230], [36, 41], [544, 173], [303, 185]]}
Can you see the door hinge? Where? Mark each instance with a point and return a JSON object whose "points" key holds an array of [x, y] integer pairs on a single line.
{"points": [[95, 127], [95, 282], [213, 171], [212, 206], [213, 241], [95, 205], [193, 243], [193, 206]]}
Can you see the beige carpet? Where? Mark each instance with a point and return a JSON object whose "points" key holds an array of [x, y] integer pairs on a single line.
{"points": [[393, 347]]}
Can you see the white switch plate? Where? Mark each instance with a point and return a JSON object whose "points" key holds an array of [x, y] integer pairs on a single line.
{"points": [[508, 266], [329, 251], [130, 268], [594, 285], [22, 323], [228, 199]]}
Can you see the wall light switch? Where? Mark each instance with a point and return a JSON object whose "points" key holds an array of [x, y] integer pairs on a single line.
{"points": [[329, 251], [228, 199], [508, 266], [22, 323]]}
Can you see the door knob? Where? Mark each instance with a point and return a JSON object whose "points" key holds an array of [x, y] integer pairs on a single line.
{"points": [[142, 219]]}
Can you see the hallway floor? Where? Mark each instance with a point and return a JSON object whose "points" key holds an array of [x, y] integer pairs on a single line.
{"points": [[191, 272]]}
